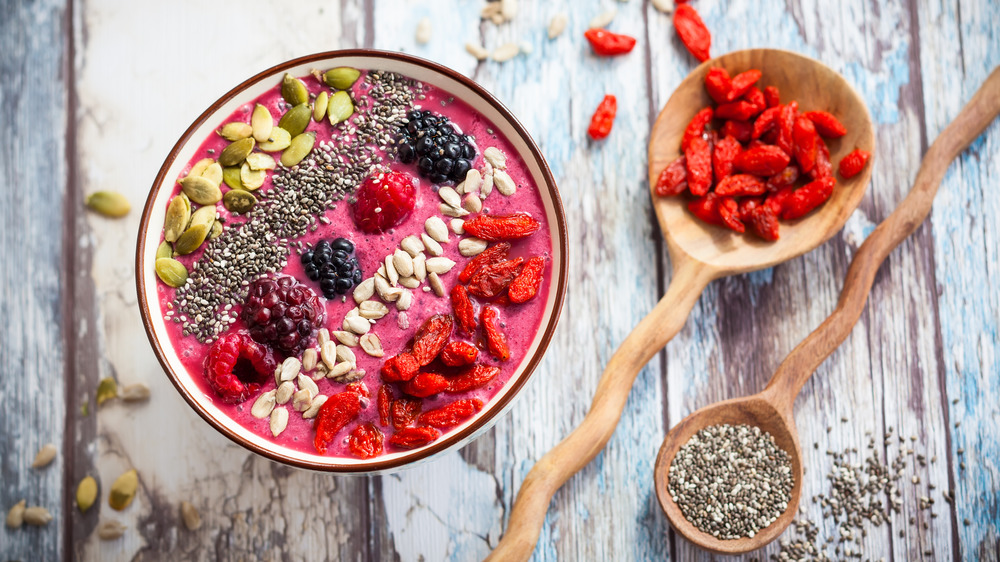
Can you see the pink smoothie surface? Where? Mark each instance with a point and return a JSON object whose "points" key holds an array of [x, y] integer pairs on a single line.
{"points": [[519, 322]]}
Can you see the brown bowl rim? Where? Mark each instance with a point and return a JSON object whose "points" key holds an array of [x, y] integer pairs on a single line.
{"points": [[448, 440]]}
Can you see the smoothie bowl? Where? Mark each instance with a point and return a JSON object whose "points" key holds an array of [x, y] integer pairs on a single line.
{"points": [[352, 261]]}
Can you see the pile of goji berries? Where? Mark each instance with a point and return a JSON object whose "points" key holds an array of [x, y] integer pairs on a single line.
{"points": [[745, 173]]}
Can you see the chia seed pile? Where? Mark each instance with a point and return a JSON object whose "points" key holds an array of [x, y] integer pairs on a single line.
{"points": [[294, 205], [731, 481]]}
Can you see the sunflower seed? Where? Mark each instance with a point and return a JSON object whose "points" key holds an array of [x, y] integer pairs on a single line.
{"points": [[235, 153], [665, 6], [110, 529], [123, 490], [424, 31], [477, 51], [342, 77], [457, 225], [296, 119], [449, 196], [558, 24], [344, 353], [358, 325], [44, 456], [301, 400], [280, 139], [403, 263], [372, 345], [495, 157], [364, 290], [37, 516], [340, 107], [322, 336], [435, 282], [15, 517], [409, 282], [508, 9], [328, 352], [506, 52], [419, 268], [309, 359], [412, 245], [86, 493], [135, 392], [472, 203], [382, 287], [235, 131], [505, 185], [471, 246], [602, 20], [439, 265], [487, 186], [290, 368], [178, 215], [353, 375], [435, 227], [339, 370], [473, 181], [108, 203], [356, 311], [299, 147], [390, 271], [277, 375], [190, 516], [405, 301], [294, 90], [284, 392], [373, 310], [264, 404], [307, 384], [261, 122], [314, 407], [279, 421], [432, 246], [349, 339], [106, 390]]}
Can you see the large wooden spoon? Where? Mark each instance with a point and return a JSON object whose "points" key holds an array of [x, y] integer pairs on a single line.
{"points": [[699, 253], [771, 409]]}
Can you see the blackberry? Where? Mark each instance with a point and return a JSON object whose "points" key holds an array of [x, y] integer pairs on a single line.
{"points": [[430, 140], [334, 265], [283, 313]]}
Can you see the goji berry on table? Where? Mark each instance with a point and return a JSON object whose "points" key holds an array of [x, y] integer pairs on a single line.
{"points": [[404, 411], [696, 127], [806, 198], [524, 287], [425, 384], [739, 130], [496, 341], [698, 157], [431, 338], [493, 254], [402, 367], [459, 354], [740, 110], [465, 311], [706, 208], [852, 164], [334, 414], [784, 178], [692, 31], [365, 441], [603, 118], [805, 138], [739, 185], [718, 83], [763, 222], [473, 377], [765, 122], [786, 122], [729, 213], [413, 437], [826, 124], [494, 228], [763, 160], [451, 414], [742, 83], [494, 278], [608, 44], [673, 178], [723, 155], [384, 403], [772, 96]]}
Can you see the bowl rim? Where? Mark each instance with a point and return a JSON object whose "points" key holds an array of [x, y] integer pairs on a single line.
{"points": [[451, 439]]}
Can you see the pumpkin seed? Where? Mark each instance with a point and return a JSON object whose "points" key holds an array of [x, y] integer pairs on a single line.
{"points": [[37, 515], [280, 139], [299, 148], [236, 152], [201, 190], [106, 390], [191, 240], [110, 530], [135, 392], [216, 230], [239, 201], [123, 490], [108, 203], [261, 122], [45, 456], [200, 166], [319, 106], [178, 215], [190, 516], [15, 517], [164, 250], [342, 77], [171, 272], [231, 176], [86, 493], [294, 90], [235, 131], [260, 161], [250, 178], [203, 216], [213, 173], [340, 108], [296, 119]]}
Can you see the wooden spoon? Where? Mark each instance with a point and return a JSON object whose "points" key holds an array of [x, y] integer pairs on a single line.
{"points": [[699, 253], [771, 409]]}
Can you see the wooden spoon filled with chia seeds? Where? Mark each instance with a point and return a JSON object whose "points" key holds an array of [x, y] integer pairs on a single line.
{"points": [[733, 430]]}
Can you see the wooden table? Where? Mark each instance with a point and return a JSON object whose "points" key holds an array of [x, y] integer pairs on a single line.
{"points": [[93, 94]]}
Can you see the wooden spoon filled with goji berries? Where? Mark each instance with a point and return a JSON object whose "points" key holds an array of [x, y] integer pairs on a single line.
{"points": [[771, 409]]}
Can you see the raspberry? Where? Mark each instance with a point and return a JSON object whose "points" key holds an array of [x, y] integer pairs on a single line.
{"points": [[384, 200], [236, 366], [282, 313]]}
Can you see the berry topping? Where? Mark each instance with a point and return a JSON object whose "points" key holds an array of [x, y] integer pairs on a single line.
{"points": [[440, 152], [236, 366], [333, 264], [384, 200], [281, 312]]}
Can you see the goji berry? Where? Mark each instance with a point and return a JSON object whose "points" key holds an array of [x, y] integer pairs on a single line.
{"points": [[763, 222], [852, 164], [698, 157], [384, 403], [718, 83], [747, 205], [740, 110], [496, 341], [739, 130], [365, 441], [756, 97], [493, 279], [359, 388], [404, 411], [493, 254], [806, 198], [805, 138], [740, 184], [764, 160], [451, 414], [823, 167], [603, 118], [826, 124], [413, 437], [786, 122], [673, 178], [425, 384], [696, 127], [431, 338], [473, 377], [465, 311], [608, 44], [459, 354], [741, 84], [729, 213], [772, 96], [493, 228], [766, 122], [706, 208], [784, 178], [771, 137], [693, 32], [333, 415], [524, 287], [402, 367], [723, 155], [776, 201]]}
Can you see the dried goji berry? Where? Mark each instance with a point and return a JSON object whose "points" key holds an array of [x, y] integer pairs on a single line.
{"points": [[741, 84], [770, 137], [777, 200], [707, 209], [413, 437], [465, 311], [696, 127], [524, 287], [786, 122], [673, 178], [333, 415], [763, 222], [607, 44], [805, 138], [740, 110], [496, 341], [698, 156], [763, 160], [493, 254], [451, 414], [723, 155], [826, 124], [747, 205], [729, 213], [502, 227], [402, 367], [772, 96], [459, 354], [739, 130], [603, 118], [359, 388], [740, 184], [807, 198], [756, 97], [473, 377], [431, 338], [823, 167], [494, 278], [404, 411], [718, 83], [784, 178], [693, 32], [425, 384], [852, 164], [365, 441], [766, 122], [384, 402]]}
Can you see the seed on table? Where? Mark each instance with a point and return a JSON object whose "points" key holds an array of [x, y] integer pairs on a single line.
{"points": [[123, 490], [135, 392], [45, 456], [477, 51], [86, 493], [506, 52], [108, 203], [37, 516], [424, 31], [106, 390], [110, 529], [558, 24], [190, 516], [508, 9], [664, 6], [603, 19], [15, 516]]}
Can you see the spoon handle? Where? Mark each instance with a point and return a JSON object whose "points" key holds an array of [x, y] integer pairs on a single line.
{"points": [[796, 369], [578, 448]]}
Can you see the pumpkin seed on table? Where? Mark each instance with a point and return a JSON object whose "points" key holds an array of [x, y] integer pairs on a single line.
{"points": [[192, 239], [108, 203], [190, 516], [231, 175], [251, 179], [260, 161], [342, 77], [296, 119], [261, 123], [239, 201], [280, 139], [235, 131], [294, 90], [340, 108], [15, 517], [319, 106], [299, 148], [123, 490], [201, 190], [164, 250], [236, 152], [45, 456], [110, 530], [86, 493], [106, 390]]}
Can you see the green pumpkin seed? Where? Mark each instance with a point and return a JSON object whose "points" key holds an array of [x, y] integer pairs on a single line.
{"points": [[203, 216], [341, 107], [236, 152], [300, 147], [239, 201], [213, 173], [200, 166], [319, 106], [250, 178], [86, 493], [171, 272], [231, 176], [216, 230], [108, 203], [191, 239], [178, 215], [280, 140], [296, 119], [106, 390], [123, 490], [262, 122], [201, 190], [342, 77], [164, 250], [294, 90], [260, 161], [235, 131]]}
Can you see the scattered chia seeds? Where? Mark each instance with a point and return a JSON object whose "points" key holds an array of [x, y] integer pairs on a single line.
{"points": [[731, 481]]}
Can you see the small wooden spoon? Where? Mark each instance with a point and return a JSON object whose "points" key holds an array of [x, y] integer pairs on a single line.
{"points": [[771, 409], [699, 253]]}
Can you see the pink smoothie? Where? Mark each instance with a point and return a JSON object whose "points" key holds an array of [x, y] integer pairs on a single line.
{"points": [[519, 322]]}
